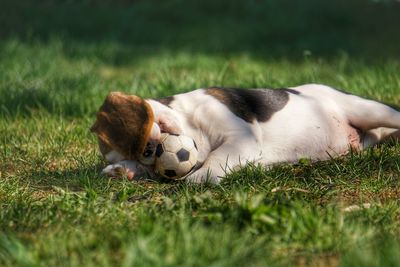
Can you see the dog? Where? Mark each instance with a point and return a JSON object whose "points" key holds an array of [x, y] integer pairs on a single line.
{"points": [[233, 127]]}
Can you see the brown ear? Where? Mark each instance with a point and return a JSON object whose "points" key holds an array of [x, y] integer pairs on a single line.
{"points": [[124, 123]]}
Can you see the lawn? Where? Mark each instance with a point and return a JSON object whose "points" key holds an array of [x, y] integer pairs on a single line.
{"points": [[59, 59]]}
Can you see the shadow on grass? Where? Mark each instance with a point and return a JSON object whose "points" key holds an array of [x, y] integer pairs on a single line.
{"points": [[71, 97], [71, 179], [90, 177]]}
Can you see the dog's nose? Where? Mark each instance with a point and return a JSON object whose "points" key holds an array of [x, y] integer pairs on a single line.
{"points": [[148, 153]]}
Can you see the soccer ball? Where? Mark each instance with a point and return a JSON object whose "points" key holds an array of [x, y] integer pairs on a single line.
{"points": [[176, 156]]}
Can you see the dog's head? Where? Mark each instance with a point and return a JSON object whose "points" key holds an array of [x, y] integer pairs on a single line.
{"points": [[125, 124]]}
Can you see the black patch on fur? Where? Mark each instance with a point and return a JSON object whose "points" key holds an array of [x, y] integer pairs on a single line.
{"points": [[251, 104], [165, 100]]}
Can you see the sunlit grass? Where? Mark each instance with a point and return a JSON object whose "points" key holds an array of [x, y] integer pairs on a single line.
{"points": [[56, 209], [58, 60]]}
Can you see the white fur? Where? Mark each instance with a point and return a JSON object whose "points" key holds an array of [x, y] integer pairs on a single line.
{"points": [[316, 124]]}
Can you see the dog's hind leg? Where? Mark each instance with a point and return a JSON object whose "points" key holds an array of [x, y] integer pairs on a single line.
{"points": [[378, 135], [368, 114]]}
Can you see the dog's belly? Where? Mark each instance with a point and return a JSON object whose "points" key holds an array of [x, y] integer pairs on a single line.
{"points": [[315, 133], [316, 146]]}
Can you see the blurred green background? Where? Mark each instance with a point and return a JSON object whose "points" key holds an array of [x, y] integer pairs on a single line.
{"points": [[263, 28]]}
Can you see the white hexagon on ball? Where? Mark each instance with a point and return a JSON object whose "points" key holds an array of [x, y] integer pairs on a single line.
{"points": [[168, 160], [172, 143], [176, 155], [187, 142]]}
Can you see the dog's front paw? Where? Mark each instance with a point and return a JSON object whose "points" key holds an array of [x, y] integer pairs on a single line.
{"points": [[116, 171], [203, 176], [121, 169]]}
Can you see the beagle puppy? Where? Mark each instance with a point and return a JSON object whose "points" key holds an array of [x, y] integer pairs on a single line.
{"points": [[233, 127]]}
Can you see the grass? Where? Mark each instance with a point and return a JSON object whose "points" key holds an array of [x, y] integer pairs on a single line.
{"points": [[57, 62]]}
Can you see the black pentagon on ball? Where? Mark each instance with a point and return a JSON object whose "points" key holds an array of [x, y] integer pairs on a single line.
{"points": [[170, 173], [183, 155], [159, 150]]}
